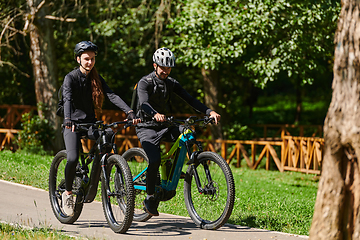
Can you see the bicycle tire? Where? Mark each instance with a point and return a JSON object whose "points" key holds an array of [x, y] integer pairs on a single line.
{"points": [[57, 187], [138, 161], [118, 206], [211, 210]]}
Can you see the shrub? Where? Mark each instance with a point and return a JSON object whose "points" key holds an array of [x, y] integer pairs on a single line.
{"points": [[36, 134]]}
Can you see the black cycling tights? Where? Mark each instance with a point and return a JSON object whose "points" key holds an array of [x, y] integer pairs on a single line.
{"points": [[72, 144], [153, 153]]}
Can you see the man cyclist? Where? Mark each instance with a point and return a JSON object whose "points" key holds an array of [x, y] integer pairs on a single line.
{"points": [[83, 91], [154, 91]]}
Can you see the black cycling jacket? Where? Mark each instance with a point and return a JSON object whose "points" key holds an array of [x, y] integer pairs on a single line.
{"points": [[78, 103], [154, 98]]}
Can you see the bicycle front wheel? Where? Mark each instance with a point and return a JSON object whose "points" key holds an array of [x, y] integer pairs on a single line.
{"points": [[211, 207], [138, 161], [57, 187], [117, 193]]}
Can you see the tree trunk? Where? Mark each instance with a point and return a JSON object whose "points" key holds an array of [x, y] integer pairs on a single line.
{"points": [[336, 214], [211, 83], [43, 60]]}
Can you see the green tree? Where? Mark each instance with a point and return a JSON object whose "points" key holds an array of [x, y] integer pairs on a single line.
{"points": [[28, 30], [259, 38]]}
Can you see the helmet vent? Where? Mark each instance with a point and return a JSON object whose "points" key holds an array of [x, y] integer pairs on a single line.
{"points": [[164, 57]]}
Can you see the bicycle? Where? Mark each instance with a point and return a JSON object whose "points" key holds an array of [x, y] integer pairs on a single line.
{"points": [[209, 189], [110, 168]]}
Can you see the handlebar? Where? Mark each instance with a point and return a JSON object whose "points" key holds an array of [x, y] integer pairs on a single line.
{"points": [[190, 121], [78, 127]]}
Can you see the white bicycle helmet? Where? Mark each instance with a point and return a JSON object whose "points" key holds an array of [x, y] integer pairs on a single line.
{"points": [[164, 57]]}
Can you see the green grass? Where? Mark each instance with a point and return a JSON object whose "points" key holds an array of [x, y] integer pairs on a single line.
{"points": [[264, 199], [24, 168], [8, 231]]}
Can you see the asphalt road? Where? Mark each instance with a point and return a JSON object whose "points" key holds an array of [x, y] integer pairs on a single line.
{"points": [[30, 206]]}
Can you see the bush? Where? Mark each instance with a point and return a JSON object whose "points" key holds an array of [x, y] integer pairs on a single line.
{"points": [[36, 134]]}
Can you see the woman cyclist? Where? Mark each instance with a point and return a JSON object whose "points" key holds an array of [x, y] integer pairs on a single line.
{"points": [[83, 92]]}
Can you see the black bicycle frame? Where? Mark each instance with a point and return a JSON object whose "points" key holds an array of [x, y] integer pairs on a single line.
{"points": [[99, 160]]}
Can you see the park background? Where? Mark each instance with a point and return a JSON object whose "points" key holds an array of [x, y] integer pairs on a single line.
{"points": [[255, 62]]}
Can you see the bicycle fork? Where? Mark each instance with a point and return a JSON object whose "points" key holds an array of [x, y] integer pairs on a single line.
{"points": [[103, 168], [209, 189], [106, 178]]}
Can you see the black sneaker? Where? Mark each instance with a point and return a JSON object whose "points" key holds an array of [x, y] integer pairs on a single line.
{"points": [[150, 206]]}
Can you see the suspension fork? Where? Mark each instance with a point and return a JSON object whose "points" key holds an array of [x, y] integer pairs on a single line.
{"points": [[197, 179], [209, 189], [103, 168], [194, 163]]}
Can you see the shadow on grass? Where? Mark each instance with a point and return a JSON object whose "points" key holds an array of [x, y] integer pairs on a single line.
{"points": [[269, 223]]}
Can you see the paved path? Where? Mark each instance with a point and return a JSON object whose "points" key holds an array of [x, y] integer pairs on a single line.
{"points": [[30, 206]]}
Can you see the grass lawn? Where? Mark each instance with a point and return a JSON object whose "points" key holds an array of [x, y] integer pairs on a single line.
{"points": [[8, 231], [264, 199]]}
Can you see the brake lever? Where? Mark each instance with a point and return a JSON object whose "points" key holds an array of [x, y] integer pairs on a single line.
{"points": [[208, 120]]}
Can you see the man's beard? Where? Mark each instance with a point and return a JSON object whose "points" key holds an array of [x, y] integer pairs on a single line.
{"points": [[163, 76]]}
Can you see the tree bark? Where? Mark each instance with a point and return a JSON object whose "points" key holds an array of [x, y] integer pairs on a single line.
{"points": [[43, 60], [211, 83], [336, 214]]}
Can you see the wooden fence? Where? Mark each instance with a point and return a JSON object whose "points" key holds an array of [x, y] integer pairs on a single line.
{"points": [[281, 150], [10, 118]]}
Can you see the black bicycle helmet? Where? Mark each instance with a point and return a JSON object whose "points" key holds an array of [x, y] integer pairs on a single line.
{"points": [[84, 46], [164, 57]]}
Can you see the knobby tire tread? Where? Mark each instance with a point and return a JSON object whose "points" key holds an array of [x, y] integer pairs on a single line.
{"points": [[55, 202], [126, 223], [128, 155], [203, 223]]}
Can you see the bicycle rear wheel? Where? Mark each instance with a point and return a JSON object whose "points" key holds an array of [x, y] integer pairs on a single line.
{"points": [[117, 194], [57, 187], [138, 161], [213, 207]]}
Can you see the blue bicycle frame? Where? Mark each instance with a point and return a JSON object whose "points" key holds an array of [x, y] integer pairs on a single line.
{"points": [[170, 177]]}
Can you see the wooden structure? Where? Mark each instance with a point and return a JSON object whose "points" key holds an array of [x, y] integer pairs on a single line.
{"points": [[10, 119], [281, 151]]}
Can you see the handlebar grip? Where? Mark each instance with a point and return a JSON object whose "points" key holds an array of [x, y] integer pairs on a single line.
{"points": [[128, 124], [209, 120]]}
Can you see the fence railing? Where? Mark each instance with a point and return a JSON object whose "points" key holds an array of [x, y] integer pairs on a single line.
{"points": [[302, 154], [282, 151], [298, 154], [10, 115], [10, 119]]}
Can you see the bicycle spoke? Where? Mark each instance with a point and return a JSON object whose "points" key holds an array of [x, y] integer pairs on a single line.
{"points": [[57, 187], [211, 205], [117, 194], [137, 161]]}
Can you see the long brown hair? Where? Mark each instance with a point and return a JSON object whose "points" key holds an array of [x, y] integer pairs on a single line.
{"points": [[96, 88]]}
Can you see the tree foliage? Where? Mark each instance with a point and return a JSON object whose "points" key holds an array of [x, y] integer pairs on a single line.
{"points": [[250, 43], [263, 37]]}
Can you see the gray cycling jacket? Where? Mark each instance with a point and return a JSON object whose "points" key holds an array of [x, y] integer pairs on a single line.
{"points": [[154, 96], [77, 94]]}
